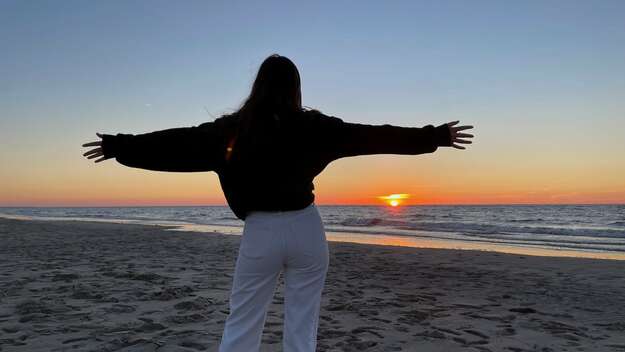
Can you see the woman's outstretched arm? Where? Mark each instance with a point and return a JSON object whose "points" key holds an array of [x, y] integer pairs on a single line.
{"points": [[343, 139], [184, 149]]}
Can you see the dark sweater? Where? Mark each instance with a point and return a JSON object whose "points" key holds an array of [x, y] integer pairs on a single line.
{"points": [[278, 170]]}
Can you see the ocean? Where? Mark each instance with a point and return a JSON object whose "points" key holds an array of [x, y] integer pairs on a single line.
{"points": [[579, 228]]}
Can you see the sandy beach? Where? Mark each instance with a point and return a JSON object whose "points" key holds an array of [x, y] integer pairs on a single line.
{"points": [[89, 286]]}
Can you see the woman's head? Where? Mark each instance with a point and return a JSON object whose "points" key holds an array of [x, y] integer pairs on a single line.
{"points": [[276, 91], [276, 87]]}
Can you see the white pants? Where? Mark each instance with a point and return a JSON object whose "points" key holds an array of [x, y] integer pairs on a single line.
{"points": [[293, 241]]}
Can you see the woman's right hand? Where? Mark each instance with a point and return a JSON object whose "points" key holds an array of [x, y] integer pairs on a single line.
{"points": [[95, 152], [457, 137]]}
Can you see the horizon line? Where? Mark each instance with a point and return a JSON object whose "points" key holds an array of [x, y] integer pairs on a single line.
{"points": [[323, 205]]}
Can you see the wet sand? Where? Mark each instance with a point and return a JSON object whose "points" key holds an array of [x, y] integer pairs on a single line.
{"points": [[115, 287]]}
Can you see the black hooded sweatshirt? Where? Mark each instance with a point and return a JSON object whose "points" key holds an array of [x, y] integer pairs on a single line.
{"points": [[276, 170]]}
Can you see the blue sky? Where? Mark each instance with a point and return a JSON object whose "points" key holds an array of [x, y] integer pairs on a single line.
{"points": [[533, 76]]}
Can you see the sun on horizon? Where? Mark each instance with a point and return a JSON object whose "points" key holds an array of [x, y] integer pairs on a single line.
{"points": [[394, 200]]}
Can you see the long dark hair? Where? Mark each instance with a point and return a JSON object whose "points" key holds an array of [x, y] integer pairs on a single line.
{"points": [[275, 93]]}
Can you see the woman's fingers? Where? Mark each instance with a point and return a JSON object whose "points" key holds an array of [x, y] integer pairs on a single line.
{"points": [[458, 138], [92, 151], [95, 152], [92, 144], [458, 146], [461, 128]]}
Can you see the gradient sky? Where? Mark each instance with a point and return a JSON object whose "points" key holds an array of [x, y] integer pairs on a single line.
{"points": [[542, 81]]}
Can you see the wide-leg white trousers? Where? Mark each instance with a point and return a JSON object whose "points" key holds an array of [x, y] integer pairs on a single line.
{"points": [[289, 241]]}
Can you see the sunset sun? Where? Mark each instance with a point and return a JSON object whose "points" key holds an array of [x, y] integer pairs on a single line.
{"points": [[394, 200]]}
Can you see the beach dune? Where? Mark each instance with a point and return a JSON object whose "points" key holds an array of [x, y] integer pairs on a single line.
{"points": [[90, 286]]}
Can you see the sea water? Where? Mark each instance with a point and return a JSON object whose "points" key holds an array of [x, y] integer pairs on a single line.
{"points": [[581, 228]]}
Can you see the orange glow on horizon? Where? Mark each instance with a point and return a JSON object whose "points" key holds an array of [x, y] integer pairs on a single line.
{"points": [[127, 187]]}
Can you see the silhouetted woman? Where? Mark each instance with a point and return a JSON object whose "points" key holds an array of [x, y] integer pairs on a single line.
{"points": [[266, 155]]}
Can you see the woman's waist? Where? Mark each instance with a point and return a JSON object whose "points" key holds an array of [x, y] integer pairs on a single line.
{"points": [[281, 211]]}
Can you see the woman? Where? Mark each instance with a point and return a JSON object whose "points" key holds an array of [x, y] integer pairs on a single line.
{"points": [[266, 155]]}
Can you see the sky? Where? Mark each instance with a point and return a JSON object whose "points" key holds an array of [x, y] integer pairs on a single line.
{"points": [[543, 82]]}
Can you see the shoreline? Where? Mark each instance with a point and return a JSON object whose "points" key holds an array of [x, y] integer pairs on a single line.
{"points": [[94, 286], [371, 238]]}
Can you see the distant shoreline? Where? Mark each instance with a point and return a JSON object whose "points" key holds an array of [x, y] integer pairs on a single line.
{"points": [[369, 238]]}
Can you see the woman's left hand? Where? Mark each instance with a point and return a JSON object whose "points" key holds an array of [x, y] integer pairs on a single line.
{"points": [[95, 152]]}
